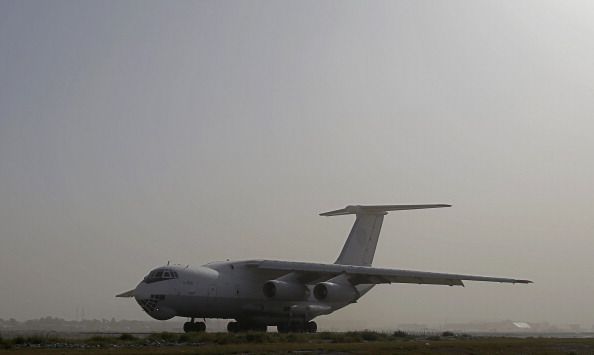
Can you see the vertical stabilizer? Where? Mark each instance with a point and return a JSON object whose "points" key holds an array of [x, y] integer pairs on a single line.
{"points": [[361, 243], [359, 248]]}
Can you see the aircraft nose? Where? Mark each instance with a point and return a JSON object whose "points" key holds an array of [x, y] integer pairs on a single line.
{"points": [[152, 302], [142, 292]]}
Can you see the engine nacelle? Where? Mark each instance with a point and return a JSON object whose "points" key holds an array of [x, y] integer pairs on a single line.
{"points": [[283, 290], [333, 292]]}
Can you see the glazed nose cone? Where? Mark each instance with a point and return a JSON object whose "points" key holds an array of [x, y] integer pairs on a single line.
{"points": [[152, 303]]}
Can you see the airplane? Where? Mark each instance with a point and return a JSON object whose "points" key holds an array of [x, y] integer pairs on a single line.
{"points": [[286, 294]]}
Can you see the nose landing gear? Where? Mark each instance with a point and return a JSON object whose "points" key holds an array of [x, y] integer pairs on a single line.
{"points": [[194, 327]]}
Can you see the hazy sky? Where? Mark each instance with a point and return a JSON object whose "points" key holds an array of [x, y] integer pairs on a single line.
{"points": [[137, 132]]}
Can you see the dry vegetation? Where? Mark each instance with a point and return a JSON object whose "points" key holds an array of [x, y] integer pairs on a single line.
{"points": [[364, 342]]}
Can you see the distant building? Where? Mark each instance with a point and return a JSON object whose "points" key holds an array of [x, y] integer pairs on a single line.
{"points": [[522, 325]]}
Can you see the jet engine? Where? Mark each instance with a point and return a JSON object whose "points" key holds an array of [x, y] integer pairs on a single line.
{"points": [[284, 290], [334, 292]]}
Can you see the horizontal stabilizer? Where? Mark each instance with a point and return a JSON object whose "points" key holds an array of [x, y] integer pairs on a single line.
{"points": [[126, 294], [379, 209]]}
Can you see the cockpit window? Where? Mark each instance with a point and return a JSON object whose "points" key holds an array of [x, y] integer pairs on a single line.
{"points": [[160, 275]]}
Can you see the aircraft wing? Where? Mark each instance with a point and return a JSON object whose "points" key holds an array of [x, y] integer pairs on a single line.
{"points": [[371, 275]]}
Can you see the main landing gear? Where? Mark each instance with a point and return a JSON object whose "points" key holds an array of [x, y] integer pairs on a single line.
{"points": [[194, 327], [309, 327], [236, 327]]}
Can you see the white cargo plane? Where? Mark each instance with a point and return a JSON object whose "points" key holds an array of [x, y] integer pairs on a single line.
{"points": [[285, 294]]}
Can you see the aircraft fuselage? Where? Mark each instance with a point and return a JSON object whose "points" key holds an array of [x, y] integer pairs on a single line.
{"points": [[228, 290]]}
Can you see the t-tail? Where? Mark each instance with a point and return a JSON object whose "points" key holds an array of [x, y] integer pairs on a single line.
{"points": [[359, 248]]}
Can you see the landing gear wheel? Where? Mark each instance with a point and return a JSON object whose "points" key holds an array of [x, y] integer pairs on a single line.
{"points": [[297, 327], [188, 327], [194, 327], [233, 327], [200, 327], [282, 327]]}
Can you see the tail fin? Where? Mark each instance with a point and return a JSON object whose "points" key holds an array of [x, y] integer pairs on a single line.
{"points": [[359, 248]]}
